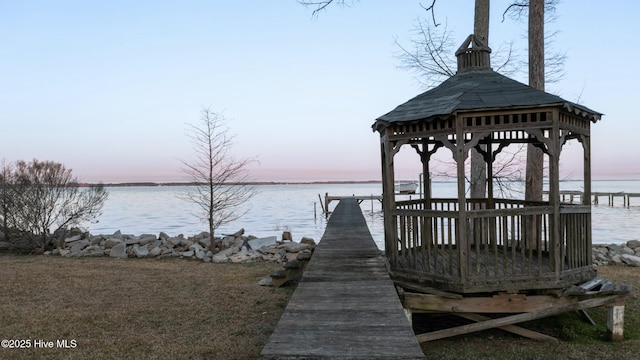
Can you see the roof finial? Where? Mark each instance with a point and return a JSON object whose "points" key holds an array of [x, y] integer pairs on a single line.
{"points": [[473, 54]]}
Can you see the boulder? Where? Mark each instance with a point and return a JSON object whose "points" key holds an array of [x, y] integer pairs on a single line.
{"points": [[118, 235], [631, 259], [200, 254], [196, 247], [202, 235], [131, 240], [265, 281], [256, 244], [294, 247], [626, 250], [189, 253], [92, 250], [303, 255], [286, 236], [220, 257], [617, 259], [95, 240], [119, 250], [172, 242], [147, 238], [238, 233], [77, 246], [634, 244], [205, 242], [73, 238], [140, 251], [243, 257], [308, 241], [186, 243], [290, 256], [111, 242], [229, 241], [163, 236], [154, 243], [155, 251]]}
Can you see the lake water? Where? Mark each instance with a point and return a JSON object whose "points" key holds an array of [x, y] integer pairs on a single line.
{"points": [[296, 207]]}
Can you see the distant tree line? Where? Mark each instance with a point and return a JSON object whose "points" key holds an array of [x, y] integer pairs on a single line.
{"points": [[39, 200]]}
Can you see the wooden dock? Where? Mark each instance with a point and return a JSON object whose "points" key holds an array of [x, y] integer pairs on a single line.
{"points": [[359, 198], [345, 306]]}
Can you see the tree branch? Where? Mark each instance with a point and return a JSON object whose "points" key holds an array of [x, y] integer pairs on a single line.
{"points": [[433, 14], [321, 5]]}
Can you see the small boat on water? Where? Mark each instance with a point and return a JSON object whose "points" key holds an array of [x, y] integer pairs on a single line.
{"points": [[407, 188]]}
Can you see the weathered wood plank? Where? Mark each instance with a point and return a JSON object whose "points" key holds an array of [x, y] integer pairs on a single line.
{"points": [[511, 328], [345, 306], [514, 319], [503, 303]]}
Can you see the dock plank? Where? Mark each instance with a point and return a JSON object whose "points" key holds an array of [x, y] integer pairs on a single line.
{"points": [[345, 306]]}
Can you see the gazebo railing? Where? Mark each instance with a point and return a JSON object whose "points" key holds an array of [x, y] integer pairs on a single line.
{"points": [[510, 239]]}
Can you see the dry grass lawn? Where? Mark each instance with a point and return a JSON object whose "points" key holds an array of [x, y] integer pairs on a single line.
{"points": [[136, 309], [175, 309]]}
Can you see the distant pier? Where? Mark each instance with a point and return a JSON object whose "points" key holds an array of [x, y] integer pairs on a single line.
{"points": [[572, 196]]}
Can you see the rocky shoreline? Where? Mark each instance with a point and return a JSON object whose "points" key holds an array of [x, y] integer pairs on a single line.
{"points": [[238, 248], [234, 248], [617, 254]]}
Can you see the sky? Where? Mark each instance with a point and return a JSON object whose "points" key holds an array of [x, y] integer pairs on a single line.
{"points": [[108, 88]]}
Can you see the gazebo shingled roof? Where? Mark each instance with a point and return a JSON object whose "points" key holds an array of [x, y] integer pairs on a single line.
{"points": [[479, 89]]}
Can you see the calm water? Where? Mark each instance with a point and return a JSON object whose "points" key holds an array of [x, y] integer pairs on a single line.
{"points": [[138, 210]]}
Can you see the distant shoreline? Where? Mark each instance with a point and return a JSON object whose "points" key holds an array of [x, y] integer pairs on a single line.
{"points": [[325, 182], [146, 183]]}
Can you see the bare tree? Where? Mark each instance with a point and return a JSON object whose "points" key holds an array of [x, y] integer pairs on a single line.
{"points": [[39, 196], [6, 198], [319, 6], [430, 56], [221, 182]]}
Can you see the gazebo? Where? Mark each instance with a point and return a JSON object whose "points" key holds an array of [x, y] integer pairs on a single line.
{"points": [[459, 247]]}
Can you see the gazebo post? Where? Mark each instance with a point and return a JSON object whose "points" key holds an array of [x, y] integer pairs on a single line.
{"points": [[462, 240], [586, 148], [554, 192], [390, 233], [489, 160], [586, 197], [425, 157]]}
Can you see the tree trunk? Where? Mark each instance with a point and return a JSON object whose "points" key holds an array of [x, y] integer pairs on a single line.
{"points": [[481, 21], [478, 180], [535, 157]]}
